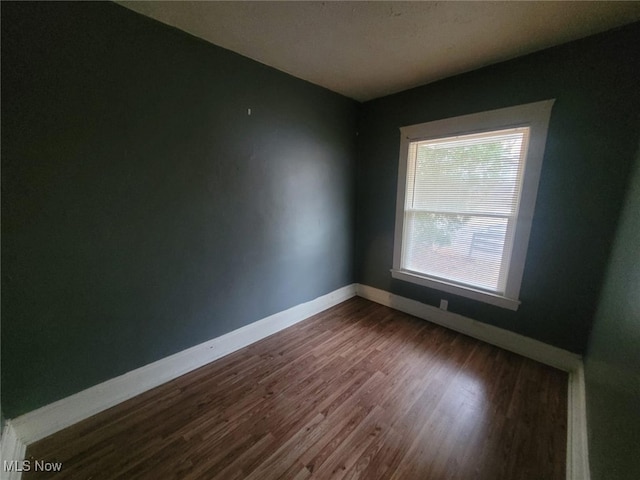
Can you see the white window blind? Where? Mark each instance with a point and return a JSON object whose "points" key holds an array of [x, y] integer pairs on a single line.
{"points": [[462, 198], [467, 189]]}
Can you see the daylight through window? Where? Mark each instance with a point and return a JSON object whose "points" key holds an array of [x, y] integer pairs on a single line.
{"points": [[467, 202]]}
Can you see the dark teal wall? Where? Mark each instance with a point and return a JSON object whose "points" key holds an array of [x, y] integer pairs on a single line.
{"points": [[612, 362], [143, 210], [592, 138]]}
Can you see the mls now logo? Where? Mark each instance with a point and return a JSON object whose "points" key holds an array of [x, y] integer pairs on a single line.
{"points": [[27, 466]]}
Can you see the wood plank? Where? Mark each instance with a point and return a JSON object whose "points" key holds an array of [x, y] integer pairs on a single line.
{"points": [[359, 391]]}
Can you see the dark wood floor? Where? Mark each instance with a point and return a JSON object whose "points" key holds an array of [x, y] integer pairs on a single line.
{"points": [[359, 391]]}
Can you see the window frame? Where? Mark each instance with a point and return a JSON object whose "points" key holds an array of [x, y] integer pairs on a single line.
{"points": [[534, 115]]}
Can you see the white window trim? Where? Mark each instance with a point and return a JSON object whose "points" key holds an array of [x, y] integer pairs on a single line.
{"points": [[534, 115]]}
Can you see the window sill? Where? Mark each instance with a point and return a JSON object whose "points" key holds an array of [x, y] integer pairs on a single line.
{"points": [[486, 297]]}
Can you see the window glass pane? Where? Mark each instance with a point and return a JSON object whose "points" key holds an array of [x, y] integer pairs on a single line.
{"points": [[461, 204], [472, 174], [458, 248]]}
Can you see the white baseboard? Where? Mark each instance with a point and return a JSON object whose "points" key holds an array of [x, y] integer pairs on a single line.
{"points": [[525, 346], [52, 418], [577, 441], [577, 445], [12, 451]]}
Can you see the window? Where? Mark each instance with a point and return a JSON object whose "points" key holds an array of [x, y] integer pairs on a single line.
{"points": [[466, 193]]}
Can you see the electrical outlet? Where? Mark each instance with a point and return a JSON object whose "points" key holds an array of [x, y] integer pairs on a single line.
{"points": [[444, 304]]}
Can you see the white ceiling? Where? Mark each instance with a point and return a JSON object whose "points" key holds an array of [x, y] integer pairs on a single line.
{"points": [[366, 50]]}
